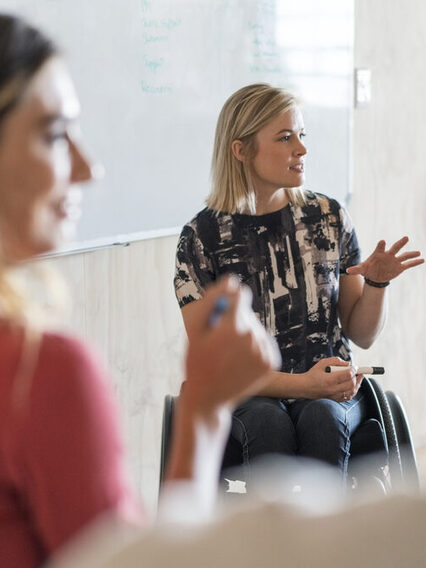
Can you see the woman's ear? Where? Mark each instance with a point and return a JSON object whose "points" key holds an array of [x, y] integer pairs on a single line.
{"points": [[238, 150]]}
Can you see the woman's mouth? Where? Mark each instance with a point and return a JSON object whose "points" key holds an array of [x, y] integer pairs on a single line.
{"points": [[70, 207]]}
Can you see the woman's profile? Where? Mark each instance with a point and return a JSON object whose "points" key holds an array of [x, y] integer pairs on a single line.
{"points": [[61, 459]]}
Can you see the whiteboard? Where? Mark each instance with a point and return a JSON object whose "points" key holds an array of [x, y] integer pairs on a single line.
{"points": [[152, 76]]}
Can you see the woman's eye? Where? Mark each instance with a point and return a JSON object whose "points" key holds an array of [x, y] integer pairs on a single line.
{"points": [[53, 136], [287, 137], [56, 138]]}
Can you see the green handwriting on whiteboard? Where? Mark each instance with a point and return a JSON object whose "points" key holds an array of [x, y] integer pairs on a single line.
{"points": [[156, 89], [153, 64], [163, 23], [150, 38]]}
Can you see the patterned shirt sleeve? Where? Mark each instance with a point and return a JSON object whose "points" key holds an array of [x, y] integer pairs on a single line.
{"points": [[350, 253], [193, 267]]}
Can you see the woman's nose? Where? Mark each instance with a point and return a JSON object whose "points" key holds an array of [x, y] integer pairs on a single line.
{"points": [[82, 168], [301, 149]]}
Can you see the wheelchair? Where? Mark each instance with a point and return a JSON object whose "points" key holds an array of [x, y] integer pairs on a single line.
{"points": [[385, 434]]}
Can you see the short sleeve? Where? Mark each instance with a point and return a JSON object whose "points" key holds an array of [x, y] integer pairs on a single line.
{"points": [[350, 253], [193, 267], [72, 460]]}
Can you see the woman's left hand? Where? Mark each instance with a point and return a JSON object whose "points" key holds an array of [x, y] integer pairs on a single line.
{"points": [[384, 265]]}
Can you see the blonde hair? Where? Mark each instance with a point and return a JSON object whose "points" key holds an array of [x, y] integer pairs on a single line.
{"points": [[33, 294], [245, 112]]}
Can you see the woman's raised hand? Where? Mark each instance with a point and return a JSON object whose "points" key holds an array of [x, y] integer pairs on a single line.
{"points": [[384, 265], [233, 358], [228, 358]]}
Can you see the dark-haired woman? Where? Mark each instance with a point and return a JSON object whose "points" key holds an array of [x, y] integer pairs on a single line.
{"points": [[61, 465]]}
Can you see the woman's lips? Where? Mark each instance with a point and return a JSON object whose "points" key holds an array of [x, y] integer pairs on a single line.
{"points": [[300, 168], [69, 207]]}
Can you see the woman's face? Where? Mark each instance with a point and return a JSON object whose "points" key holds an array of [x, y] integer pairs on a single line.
{"points": [[280, 154], [40, 161]]}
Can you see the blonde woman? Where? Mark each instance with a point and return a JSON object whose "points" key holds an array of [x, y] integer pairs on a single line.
{"points": [[61, 465], [298, 252]]}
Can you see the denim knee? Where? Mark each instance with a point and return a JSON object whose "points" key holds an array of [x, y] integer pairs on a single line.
{"points": [[323, 433], [263, 414], [321, 412], [263, 426]]}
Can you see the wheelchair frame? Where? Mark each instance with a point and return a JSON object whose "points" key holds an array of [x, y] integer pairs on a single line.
{"points": [[385, 407]]}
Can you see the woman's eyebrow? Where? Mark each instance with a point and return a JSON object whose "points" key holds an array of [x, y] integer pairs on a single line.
{"points": [[289, 130], [55, 119]]}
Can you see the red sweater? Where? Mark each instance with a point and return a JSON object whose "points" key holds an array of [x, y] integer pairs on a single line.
{"points": [[61, 455]]}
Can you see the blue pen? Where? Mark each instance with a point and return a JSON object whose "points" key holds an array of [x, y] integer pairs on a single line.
{"points": [[220, 307]]}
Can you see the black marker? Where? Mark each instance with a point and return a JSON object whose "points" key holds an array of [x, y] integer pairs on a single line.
{"points": [[358, 370]]}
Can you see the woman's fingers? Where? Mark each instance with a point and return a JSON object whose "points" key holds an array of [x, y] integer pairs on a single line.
{"points": [[271, 351], [350, 389], [357, 269], [381, 246], [341, 385], [206, 308], [396, 247], [232, 356], [333, 361], [243, 311], [408, 255], [384, 265], [412, 263]]}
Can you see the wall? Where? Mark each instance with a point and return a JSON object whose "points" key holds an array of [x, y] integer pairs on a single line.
{"points": [[124, 299], [123, 303], [390, 180]]}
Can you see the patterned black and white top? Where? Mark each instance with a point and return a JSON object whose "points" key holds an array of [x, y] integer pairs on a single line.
{"points": [[291, 259]]}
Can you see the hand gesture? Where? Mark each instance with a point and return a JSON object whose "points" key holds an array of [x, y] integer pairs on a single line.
{"points": [[232, 359], [340, 386], [384, 265]]}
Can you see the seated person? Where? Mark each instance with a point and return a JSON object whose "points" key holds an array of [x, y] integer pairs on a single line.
{"points": [[298, 252]]}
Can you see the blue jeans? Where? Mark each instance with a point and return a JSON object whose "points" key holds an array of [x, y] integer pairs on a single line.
{"points": [[319, 429]]}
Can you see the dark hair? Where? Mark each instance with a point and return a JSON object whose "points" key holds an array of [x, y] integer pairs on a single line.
{"points": [[23, 50]]}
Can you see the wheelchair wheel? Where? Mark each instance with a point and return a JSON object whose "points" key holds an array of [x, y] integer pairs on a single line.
{"points": [[406, 446], [166, 433], [395, 463], [373, 406]]}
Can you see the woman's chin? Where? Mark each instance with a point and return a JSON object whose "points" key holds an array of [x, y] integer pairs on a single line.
{"points": [[55, 240], [67, 233]]}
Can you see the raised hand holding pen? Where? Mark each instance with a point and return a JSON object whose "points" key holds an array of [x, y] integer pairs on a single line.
{"points": [[229, 351], [219, 308], [230, 355]]}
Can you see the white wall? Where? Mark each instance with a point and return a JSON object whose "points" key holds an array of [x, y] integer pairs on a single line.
{"points": [[390, 183], [124, 300], [124, 304]]}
